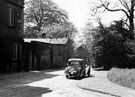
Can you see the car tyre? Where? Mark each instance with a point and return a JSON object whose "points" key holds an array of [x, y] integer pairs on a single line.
{"points": [[67, 76], [83, 74], [88, 73]]}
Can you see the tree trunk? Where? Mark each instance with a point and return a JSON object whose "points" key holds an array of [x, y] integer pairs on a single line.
{"points": [[131, 28], [131, 19]]}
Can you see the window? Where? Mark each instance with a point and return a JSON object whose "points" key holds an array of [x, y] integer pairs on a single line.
{"points": [[11, 17], [17, 52]]}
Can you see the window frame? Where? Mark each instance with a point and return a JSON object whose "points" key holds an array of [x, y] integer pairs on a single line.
{"points": [[17, 49], [11, 17]]}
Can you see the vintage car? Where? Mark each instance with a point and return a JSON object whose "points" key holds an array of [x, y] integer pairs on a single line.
{"points": [[77, 67]]}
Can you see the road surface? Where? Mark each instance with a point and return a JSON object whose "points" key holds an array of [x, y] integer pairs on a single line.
{"points": [[49, 83]]}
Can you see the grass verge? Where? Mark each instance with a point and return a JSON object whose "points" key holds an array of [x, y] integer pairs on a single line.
{"points": [[124, 77]]}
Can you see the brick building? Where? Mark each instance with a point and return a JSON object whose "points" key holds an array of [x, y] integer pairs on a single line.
{"points": [[80, 52], [11, 40], [40, 54]]}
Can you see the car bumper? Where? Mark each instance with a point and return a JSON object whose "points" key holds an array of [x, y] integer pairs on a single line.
{"points": [[72, 74]]}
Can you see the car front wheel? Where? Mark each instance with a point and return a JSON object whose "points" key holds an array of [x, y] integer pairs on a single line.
{"points": [[67, 76]]}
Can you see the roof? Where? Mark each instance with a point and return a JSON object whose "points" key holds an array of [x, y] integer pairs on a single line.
{"points": [[79, 46], [47, 40], [75, 59]]}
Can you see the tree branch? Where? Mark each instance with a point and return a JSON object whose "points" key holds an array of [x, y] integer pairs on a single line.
{"points": [[112, 10], [125, 21], [124, 3]]}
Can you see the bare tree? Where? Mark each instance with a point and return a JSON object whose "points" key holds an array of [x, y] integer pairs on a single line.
{"points": [[126, 6]]}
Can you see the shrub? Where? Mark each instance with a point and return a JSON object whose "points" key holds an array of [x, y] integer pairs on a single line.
{"points": [[113, 47], [124, 77]]}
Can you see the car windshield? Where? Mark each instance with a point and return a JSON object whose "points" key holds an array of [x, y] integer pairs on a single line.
{"points": [[74, 63]]}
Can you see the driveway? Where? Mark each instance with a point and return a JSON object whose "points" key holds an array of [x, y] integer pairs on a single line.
{"points": [[99, 84], [48, 83], [52, 83]]}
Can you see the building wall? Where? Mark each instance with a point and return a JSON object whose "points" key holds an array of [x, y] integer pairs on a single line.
{"points": [[6, 30], [80, 52], [45, 59], [10, 35], [59, 56], [41, 55], [50, 55]]}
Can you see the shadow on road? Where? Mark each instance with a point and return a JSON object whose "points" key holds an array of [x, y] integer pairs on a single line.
{"points": [[25, 78], [80, 78], [17, 85], [24, 91], [100, 69], [89, 76]]}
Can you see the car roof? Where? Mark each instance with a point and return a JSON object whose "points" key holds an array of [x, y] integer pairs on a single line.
{"points": [[75, 59]]}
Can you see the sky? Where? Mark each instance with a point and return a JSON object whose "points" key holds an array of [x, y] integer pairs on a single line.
{"points": [[79, 12]]}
